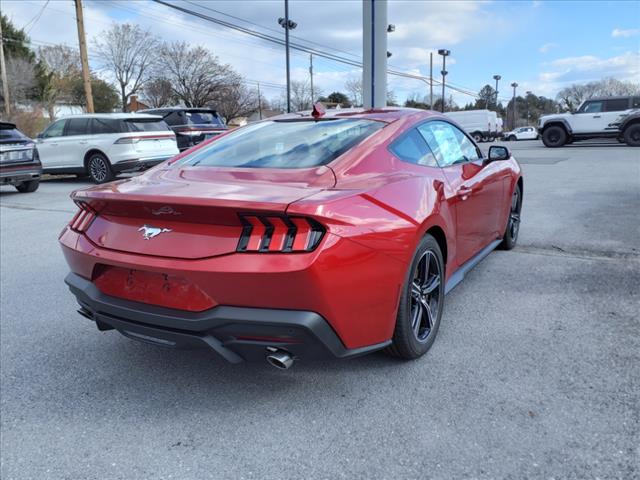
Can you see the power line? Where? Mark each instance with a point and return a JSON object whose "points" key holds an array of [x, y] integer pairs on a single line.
{"points": [[299, 47], [35, 19]]}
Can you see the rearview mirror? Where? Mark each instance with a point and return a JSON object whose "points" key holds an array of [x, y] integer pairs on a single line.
{"points": [[497, 152]]}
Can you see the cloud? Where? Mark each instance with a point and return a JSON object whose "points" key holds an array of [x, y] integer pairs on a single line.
{"points": [[547, 46], [581, 69], [621, 33]]}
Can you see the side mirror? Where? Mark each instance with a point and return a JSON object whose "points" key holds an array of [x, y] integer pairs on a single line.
{"points": [[39, 135], [497, 152]]}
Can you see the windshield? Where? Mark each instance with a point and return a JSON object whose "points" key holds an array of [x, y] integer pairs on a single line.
{"points": [[206, 118], [284, 144]]}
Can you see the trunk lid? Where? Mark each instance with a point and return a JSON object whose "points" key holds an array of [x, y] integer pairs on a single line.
{"points": [[192, 212]]}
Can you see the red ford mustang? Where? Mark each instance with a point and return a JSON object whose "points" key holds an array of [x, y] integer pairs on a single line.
{"points": [[305, 236]]}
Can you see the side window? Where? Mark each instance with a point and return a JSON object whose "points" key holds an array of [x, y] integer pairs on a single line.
{"points": [[54, 130], [617, 105], [591, 107], [103, 125], [448, 143], [412, 148], [635, 102], [77, 126]]}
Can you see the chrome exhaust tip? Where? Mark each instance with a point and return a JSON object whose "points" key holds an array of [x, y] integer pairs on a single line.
{"points": [[279, 358]]}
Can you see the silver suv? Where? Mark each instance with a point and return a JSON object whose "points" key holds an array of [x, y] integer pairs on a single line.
{"points": [[596, 118], [102, 145]]}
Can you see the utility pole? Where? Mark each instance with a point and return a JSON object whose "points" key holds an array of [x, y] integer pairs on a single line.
{"points": [[374, 53], [5, 82], [259, 102], [514, 85], [528, 93], [287, 25], [311, 73], [430, 80], [83, 57], [444, 72]]}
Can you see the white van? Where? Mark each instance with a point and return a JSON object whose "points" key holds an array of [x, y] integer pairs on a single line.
{"points": [[101, 145], [482, 125]]}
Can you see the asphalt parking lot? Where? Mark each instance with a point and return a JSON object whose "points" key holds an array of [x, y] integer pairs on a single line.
{"points": [[535, 372]]}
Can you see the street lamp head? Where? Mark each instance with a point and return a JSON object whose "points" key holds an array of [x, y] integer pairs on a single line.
{"points": [[514, 84], [444, 52], [289, 26], [443, 72], [497, 77], [528, 92], [391, 28]]}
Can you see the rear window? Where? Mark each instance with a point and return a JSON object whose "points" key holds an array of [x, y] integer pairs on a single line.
{"points": [[12, 134], [146, 125], [284, 144], [616, 105], [203, 118]]}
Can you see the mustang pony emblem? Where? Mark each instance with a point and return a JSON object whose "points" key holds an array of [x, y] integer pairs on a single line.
{"points": [[148, 232]]}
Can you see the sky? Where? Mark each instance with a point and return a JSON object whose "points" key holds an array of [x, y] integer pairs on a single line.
{"points": [[542, 45]]}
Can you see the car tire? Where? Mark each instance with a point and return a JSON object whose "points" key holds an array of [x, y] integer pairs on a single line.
{"points": [[632, 135], [510, 237], [421, 303], [28, 187], [99, 168], [477, 137], [554, 137], [512, 138]]}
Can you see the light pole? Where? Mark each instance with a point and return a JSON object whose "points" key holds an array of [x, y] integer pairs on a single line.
{"points": [[444, 72], [287, 25], [497, 78], [514, 85], [528, 92]]}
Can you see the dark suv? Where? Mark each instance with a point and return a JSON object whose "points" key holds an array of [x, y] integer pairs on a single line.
{"points": [[19, 162], [191, 125]]}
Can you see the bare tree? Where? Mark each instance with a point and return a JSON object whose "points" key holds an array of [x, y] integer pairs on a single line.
{"points": [[236, 100], [20, 77], [572, 96], [128, 52], [353, 85], [58, 68], [196, 75], [158, 92]]}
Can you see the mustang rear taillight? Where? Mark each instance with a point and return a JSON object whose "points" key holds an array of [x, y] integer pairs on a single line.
{"points": [[279, 234], [82, 220]]}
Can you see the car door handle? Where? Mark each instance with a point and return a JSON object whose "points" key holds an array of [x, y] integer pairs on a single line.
{"points": [[83, 142], [596, 116]]}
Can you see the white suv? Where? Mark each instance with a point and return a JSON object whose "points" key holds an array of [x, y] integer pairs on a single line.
{"points": [[522, 133], [596, 118], [103, 144]]}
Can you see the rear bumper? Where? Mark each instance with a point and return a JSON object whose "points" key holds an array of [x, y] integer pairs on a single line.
{"points": [[237, 334], [10, 175], [139, 163]]}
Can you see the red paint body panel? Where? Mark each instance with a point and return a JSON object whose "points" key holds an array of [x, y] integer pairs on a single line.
{"points": [[375, 209]]}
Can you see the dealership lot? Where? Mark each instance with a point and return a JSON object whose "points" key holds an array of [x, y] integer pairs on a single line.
{"points": [[534, 373]]}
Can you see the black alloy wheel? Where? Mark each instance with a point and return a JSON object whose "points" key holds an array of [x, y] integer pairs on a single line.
{"points": [[425, 295], [513, 224], [632, 135], [99, 168], [554, 136], [421, 303]]}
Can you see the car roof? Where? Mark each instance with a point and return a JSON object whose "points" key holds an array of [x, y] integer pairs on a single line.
{"points": [[617, 97], [383, 114], [115, 116], [177, 109], [7, 125]]}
